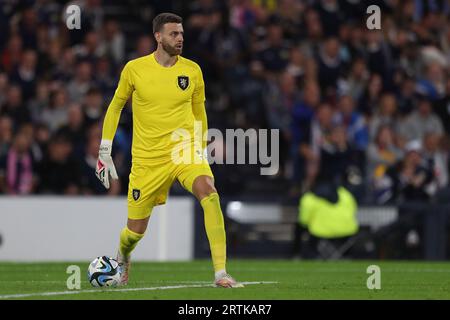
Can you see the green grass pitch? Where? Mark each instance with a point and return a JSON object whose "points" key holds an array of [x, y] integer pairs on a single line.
{"points": [[191, 280]]}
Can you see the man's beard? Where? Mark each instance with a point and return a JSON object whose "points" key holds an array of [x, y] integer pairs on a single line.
{"points": [[172, 51]]}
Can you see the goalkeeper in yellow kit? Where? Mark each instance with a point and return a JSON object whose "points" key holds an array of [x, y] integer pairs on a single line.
{"points": [[168, 95]]}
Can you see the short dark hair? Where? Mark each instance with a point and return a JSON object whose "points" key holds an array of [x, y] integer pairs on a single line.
{"points": [[161, 19]]}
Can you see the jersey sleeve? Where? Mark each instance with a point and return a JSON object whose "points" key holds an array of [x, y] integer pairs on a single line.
{"points": [[123, 92], [198, 104]]}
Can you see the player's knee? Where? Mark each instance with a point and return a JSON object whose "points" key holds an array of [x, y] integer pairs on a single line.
{"points": [[206, 192], [203, 187], [138, 226]]}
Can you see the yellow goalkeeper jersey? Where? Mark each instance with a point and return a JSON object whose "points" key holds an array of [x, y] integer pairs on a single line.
{"points": [[164, 100]]}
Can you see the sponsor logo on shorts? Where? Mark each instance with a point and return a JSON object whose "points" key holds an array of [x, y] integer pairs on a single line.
{"points": [[136, 194]]}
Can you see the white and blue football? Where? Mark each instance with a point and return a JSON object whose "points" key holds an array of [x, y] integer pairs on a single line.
{"points": [[104, 272]]}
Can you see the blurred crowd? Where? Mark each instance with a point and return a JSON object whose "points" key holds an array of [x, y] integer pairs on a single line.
{"points": [[369, 109]]}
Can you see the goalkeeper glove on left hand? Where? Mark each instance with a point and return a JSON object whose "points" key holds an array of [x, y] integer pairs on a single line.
{"points": [[105, 165]]}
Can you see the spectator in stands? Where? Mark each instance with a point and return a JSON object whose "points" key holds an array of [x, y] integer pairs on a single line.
{"points": [[6, 134], [274, 52], [405, 97], [437, 160], [14, 106], [230, 48], [50, 58], [40, 101], [74, 130], [67, 67], [330, 16], [41, 140], [330, 65], [4, 83], [302, 115], [303, 112], [371, 97], [353, 122], [27, 26], [385, 115], [113, 42], [288, 14], [80, 85], [11, 55], [420, 121], [204, 19], [296, 66], [379, 58], [105, 77], [54, 116], [442, 106], [314, 31], [311, 71], [356, 82], [26, 73], [432, 84], [93, 106], [243, 14], [247, 98], [356, 45], [381, 155], [280, 99], [411, 176], [321, 128], [16, 167], [340, 161], [90, 50], [36, 152], [59, 173]]}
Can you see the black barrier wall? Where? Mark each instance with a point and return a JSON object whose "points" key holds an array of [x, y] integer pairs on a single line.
{"points": [[417, 231]]}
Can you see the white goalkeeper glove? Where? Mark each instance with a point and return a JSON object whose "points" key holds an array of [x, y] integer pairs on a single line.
{"points": [[105, 165]]}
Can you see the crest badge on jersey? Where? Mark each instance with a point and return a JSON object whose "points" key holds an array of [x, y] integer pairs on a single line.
{"points": [[183, 82], [136, 194]]}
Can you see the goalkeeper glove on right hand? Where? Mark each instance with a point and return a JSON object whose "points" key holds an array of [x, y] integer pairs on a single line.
{"points": [[105, 165]]}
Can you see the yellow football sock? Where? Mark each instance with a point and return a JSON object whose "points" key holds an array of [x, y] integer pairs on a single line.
{"points": [[215, 230], [128, 241]]}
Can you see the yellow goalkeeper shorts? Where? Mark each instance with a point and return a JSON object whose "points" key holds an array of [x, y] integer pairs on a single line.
{"points": [[150, 183]]}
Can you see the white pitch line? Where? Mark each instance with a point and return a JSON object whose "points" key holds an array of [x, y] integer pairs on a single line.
{"points": [[47, 294]]}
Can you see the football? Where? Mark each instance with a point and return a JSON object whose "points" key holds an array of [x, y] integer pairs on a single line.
{"points": [[104, 272]]}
